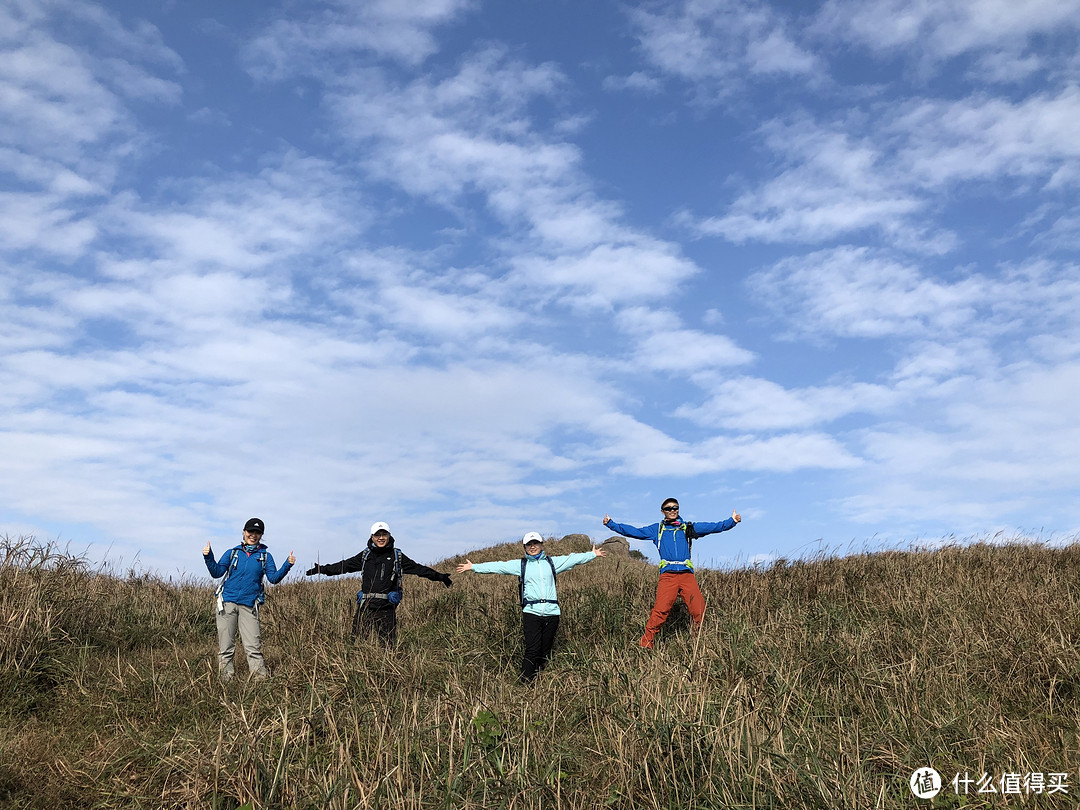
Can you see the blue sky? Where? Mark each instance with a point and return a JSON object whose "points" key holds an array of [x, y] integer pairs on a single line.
{"points": [[479, 268]]}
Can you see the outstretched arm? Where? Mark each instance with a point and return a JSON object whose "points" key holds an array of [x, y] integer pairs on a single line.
{"points": [[703, 527], [635, 532], [568, 561], [505, 567], [348, 566], [411, 567]]}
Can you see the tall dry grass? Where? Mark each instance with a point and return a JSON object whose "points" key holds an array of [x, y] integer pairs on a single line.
{"points": [[820, 683]]}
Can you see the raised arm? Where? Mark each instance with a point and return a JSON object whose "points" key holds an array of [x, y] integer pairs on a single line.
{"points": [[215, 568], [274, 575]]}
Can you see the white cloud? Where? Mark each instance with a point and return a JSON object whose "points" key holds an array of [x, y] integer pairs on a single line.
{"points": [[938, 31], [945, 142], [716, 44], [608, 274], [857, 292], [862, 293], [470, 132], [45, 222], [996, 446], [341, 30], [638, 81], [892, 177], [663, 344], [753, 404]]}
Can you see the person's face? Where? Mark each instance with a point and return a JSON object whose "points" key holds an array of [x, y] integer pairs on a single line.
{"points": [[533, 547], [380, 539], [670, 510], [252, 538]]}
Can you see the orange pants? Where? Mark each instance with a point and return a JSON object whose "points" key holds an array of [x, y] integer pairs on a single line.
{"points": [[668, 589]]}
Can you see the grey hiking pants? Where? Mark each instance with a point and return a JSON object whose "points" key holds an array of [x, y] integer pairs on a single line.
{"points": [[247, 619]]}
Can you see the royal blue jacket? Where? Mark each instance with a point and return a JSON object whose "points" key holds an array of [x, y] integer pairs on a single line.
{"points": [[670, 540], [245, 584]]}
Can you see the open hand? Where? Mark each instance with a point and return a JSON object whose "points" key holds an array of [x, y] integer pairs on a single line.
{"points": [[465, 566], [599, 552]]}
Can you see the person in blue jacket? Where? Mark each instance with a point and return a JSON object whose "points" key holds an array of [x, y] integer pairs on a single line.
{"points": [[673, 538], [240, 594], [539, 599]]}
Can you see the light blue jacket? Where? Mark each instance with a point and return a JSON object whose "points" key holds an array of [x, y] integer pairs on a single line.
{"points": [[539, 584]]}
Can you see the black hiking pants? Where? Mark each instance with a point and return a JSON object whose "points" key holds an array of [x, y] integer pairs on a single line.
{"points": [[382, 620], [539, 638]]}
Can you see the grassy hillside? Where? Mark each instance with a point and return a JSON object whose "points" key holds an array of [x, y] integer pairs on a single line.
{"points": [[812, 684]]}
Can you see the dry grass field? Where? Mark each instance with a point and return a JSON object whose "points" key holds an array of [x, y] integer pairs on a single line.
{"points": [[813, 684]]}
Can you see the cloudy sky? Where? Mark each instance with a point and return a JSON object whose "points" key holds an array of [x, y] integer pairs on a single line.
{"points": [[477, 268]]}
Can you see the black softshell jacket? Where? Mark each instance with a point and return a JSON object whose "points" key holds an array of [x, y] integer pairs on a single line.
{"points": [[379, 575]]}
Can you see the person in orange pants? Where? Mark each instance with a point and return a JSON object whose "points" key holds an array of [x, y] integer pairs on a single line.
{"points": [[673, 538]]}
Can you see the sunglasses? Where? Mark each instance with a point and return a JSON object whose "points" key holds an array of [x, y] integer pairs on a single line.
{"points": [[674, 508]]}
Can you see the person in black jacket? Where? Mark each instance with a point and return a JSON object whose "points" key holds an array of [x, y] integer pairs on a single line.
{"points": [[381, 568]]}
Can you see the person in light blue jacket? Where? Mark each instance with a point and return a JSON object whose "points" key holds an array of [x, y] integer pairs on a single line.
{"points": [[539, 600], [240, 594]]}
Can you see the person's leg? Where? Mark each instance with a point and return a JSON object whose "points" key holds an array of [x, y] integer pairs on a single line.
{"points": [[549, 625], [251, 635], [667, 590], [359, 622], [691, 594], [385, 621], [226, 633], [533, 630]]}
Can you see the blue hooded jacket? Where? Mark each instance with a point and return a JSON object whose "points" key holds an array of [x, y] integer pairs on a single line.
{"points": [[670, 540], [245, 584]]}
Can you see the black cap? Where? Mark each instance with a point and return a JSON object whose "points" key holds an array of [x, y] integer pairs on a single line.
{"points": [[255, 526]]}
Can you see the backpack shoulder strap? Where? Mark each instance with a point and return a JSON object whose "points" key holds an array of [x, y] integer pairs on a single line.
{"points": [[521, 580], [234, 555]]}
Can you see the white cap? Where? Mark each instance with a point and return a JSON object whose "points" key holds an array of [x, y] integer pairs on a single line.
{"points": [[530, 536], [379, 526]]}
